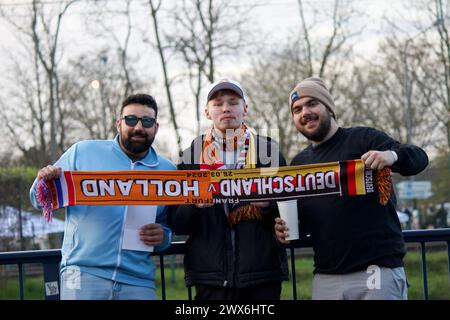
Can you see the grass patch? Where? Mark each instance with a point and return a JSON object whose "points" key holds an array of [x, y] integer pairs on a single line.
{"points": [[33, 288], [437, 272]]}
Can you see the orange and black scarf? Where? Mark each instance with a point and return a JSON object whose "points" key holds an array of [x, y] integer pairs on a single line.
{"points": [[246, 185], [243, 143]]}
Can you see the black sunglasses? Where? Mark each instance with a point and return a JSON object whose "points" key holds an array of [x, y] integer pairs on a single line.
{"points": [[132, 120]]}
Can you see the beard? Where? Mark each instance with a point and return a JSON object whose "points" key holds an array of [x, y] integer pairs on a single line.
{"points": [[137, 147], [322, 130]]}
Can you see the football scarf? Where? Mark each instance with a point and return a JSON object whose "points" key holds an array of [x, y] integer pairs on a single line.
{"points": [[153, 187]]}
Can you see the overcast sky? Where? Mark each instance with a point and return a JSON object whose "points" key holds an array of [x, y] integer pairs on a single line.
{"points": [[276, 18]]}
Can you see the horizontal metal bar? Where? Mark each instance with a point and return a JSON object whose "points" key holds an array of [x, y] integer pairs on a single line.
{"points": [[36, 256], [429, 235]]}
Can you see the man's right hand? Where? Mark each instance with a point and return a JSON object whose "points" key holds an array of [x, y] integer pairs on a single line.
{"points": [[49, 172], [281, 230]]}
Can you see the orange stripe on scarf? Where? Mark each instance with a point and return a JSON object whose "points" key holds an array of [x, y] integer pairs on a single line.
{"points": [[383, 184]]}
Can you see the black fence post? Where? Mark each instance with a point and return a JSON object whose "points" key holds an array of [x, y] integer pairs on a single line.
{"points": [[51, 280]]}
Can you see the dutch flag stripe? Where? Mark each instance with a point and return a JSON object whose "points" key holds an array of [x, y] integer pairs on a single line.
{"points": [[65, 197], [70, 187], [59, 193]]}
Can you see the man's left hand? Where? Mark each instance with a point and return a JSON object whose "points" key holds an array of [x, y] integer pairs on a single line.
{"points": [[152, 234], [377, 160]]}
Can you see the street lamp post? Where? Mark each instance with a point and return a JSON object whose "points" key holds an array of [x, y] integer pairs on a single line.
{"points": [[98, 86], [53, 150], [104, 60]]}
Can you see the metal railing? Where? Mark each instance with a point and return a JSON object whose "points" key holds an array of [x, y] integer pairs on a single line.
{"points": [[422, 237], [50, 260]]}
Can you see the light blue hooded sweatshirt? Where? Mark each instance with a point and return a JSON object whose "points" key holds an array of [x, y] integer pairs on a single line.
{"points": [[93, 234]]}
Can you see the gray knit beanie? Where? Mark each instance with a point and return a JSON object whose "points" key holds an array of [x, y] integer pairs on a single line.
{"points": [[314, 88]]}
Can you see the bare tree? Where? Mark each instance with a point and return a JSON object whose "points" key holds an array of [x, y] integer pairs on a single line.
{"points": [[269, 83], [87, 89], [104, 27], [425, 75], [205, 33], [307, 54], [154, 8], [46, 51], [440, 15], [94, 84], [375, 91], [318, 52], [42, 31], [109, 66], [24, 112]]}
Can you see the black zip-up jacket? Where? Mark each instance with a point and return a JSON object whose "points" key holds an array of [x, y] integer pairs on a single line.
{"points": [[210, 259], [350, 233]]}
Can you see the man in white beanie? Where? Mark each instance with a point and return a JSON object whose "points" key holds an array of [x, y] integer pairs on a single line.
{"points": [[232, 252], [358, 243]]}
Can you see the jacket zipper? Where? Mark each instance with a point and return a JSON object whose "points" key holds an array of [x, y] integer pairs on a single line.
{"points": [[119, 253], [233, 247]]}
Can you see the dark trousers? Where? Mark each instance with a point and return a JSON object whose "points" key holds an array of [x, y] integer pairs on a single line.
{"points": [[264, 291]]}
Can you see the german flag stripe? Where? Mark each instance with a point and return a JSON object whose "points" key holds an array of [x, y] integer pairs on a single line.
{"points": [[343, 177], [359, 177], [351, 178]]}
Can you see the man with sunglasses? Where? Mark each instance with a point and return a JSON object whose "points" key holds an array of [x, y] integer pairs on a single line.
{"points": [[358, 242], [232, 252], [95, 262]]}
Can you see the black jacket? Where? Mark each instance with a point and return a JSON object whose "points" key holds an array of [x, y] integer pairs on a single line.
{"points": [[211, 258], [350, 233]]}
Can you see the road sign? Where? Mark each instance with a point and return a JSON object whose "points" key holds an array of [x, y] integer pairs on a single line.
{"points": [[414, 189]]}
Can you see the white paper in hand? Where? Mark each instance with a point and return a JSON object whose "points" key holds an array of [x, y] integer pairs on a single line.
{"points": [[137, 216]]}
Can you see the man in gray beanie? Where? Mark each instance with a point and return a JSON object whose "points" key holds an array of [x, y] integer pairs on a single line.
{"points": [[358, 242]]}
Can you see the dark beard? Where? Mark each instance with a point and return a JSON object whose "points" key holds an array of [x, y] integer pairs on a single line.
{"points": [[321, 132], [137, 147]]}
